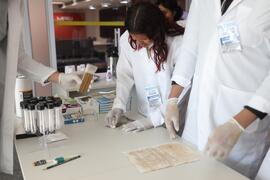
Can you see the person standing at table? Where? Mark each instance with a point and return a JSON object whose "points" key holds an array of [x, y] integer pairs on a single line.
{"points": [[226, 54]]}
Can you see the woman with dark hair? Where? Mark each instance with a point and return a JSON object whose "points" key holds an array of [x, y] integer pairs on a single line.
{"points": [[146, 62], [174, 14], [171, 10]]}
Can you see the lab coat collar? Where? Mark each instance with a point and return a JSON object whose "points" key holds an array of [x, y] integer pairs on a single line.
{"points": [[233, 5]]}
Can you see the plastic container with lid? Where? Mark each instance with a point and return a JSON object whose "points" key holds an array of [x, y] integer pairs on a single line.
{"points": [[49, 101], [23, 90], [49, 98], [41, 98], [33, 101]]}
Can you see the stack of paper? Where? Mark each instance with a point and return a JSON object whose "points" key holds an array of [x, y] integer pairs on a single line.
{"points": [[105, 103]]}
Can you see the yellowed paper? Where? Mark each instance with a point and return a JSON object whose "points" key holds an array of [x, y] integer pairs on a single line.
{"points": [[163, 156]]}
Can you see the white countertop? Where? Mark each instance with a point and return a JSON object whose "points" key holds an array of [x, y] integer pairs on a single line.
{"points": [[102, 150]]}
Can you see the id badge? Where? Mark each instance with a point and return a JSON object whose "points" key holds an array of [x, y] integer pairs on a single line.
{"points": [[153, 97], [229, 37]]}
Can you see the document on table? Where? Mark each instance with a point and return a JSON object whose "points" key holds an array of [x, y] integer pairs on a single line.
{"points": [[163, 156], [56, 137]]}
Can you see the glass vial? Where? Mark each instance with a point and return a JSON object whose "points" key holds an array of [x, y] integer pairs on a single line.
{"points": [[25, 116], [41, 112], [32, 118], [51, 117], [58, 114]]}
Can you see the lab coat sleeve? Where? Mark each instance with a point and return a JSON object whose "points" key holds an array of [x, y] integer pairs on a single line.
{"points": [[176, 49], [185, 66], [125, 79], [3, 19], [31, 68], [261, 99]]}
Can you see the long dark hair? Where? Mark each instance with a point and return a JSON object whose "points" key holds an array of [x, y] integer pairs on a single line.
{"points": [[146, 18], [173, 29], [172, 6]]}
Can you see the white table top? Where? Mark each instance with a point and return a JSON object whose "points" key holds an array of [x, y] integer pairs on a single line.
{"points": [[103, 158]]}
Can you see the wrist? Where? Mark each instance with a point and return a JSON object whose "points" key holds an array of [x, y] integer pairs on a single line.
{"points": [[172, 100], [245, 118], [54, 77], [234, 121], [176, 91]]}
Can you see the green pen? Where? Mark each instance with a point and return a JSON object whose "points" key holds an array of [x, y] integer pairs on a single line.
{"points": [[65, 161]]}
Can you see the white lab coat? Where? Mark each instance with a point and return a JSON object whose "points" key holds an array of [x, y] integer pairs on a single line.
{"points": [[13, 57], [135, 68], [224, 82], [263, 173]]}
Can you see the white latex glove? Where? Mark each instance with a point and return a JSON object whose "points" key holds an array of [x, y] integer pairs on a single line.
{"points": [[222, 139], [70, 80], [172, 120], [138, 125], [113, 117]]}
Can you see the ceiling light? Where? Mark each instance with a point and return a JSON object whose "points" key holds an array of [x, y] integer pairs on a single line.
{"points": [[92, 7], [105, 5], [124, 1], [87, 0]]}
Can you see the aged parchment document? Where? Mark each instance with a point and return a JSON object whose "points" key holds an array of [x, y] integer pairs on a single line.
{"points": [[163, 156]]}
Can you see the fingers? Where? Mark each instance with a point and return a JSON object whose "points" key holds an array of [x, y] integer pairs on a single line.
{"points": [[129, 127], [170, 129], [176, 123], [215, 151], [108, 119], [60, 78], [137, 130], [77, 79], [221, 155], [79, 73], [172, 117], [210, 150], [113, 117], [111, 121], [115, 120]]}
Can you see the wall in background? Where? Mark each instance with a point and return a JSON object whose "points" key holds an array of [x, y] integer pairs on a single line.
{"points": [[69, 32], [40, 44], [89, 15], [93, 31]]}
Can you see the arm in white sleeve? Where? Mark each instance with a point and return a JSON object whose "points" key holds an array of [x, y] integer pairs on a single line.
{"points": [[186, 63], [125, 79], [261, 99], [31, 68]]}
